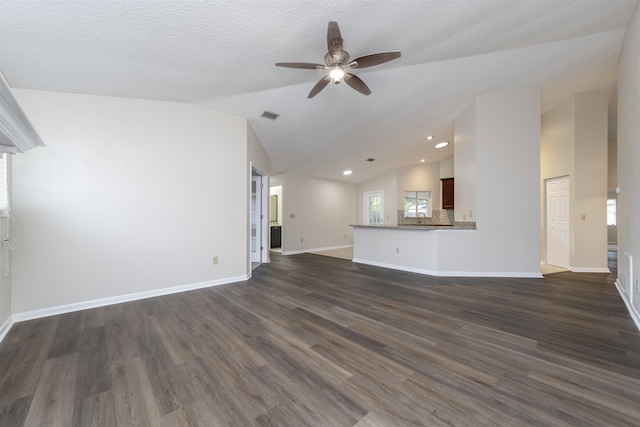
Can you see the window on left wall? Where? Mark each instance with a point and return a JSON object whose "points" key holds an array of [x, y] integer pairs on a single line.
{"points": [[4, 186]]}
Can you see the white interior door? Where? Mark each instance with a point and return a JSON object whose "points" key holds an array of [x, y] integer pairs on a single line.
{"points": [[558, 221]]}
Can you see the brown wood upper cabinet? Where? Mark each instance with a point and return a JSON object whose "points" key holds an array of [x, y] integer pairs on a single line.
{"points": [[447, 193]]}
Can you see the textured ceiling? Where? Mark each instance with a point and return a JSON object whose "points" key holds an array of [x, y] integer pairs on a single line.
{"points": [[221, 54]]}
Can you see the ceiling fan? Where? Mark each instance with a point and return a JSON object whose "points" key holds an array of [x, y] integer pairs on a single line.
{"points": [[338, 61]]}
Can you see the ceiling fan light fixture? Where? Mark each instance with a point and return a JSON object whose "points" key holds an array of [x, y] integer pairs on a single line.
{"points": [[337, 73]]}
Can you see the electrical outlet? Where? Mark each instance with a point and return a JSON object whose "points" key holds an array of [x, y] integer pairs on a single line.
{"points": [[470, 213], [583, 217], [397, 250], [464, 217], [215, 260], [292, 216], [302, 240], [345, 236]]}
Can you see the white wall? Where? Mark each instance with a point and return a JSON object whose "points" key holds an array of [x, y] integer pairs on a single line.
{"points": [[256, 154], [591, 182], [388, 183], [412, 178], [465, 164], [447, 167], [628, 171], [424, 177], [258, 159], [612, 165], [497, 174], [574, 143], [506, 134], [323, 212], [128, 196], [5, 263], [557, 159], [277, 191]]}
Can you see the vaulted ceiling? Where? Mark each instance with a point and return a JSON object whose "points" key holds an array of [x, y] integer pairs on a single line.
{"points": [[221, 54]]}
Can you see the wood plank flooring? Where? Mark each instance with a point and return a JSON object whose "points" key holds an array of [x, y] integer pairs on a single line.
{"points": [[317, 341]]}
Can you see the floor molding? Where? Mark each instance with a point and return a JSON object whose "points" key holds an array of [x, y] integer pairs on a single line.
{"points": [[589, 269], [6, 327], [304, 251], [635, 316], [68, 308], [522, 275]]}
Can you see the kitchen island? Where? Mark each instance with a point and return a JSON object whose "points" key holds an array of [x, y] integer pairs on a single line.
{"points": [[436, 250]]}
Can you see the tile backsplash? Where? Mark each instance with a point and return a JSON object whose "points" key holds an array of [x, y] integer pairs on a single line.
{"points": [[438, 217]]}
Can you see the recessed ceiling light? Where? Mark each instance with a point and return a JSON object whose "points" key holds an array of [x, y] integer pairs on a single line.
{"points": [[347, 173], [441, 144], [422, 160], [371, 159], [430, 137]]}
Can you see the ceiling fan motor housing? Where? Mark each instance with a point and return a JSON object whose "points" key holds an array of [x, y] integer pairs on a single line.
{"points": [[337, 59]]}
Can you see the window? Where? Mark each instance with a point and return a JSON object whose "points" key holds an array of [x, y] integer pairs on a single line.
{"points": [[4, 188], [417, 204], [373, 207], [611, 212]]}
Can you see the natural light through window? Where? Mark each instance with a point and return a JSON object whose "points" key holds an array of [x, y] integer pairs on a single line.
{"points": [[373, 207], [611, 212], [417, 204], [4, 189]]}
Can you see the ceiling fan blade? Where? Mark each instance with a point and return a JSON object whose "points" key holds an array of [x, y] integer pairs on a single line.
{"points": [[375, 59], [319, 86], [304, 65], [334, 40], [356, 83]]}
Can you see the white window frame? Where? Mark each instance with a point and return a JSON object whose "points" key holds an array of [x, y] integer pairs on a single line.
{"points": [[416, 196]]}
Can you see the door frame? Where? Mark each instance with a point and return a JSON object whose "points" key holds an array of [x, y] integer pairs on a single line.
{"points": [[365, 206], [264, 220]]}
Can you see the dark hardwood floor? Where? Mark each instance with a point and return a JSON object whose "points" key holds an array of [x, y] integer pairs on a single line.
{"points": [[316, 341]]}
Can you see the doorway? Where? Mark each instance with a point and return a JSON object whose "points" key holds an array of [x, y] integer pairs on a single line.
{"points": [[373, 208], [258, 228], [557, 221]]}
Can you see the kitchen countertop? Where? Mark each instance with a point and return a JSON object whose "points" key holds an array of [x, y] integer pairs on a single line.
{"points": [[420, 227]]}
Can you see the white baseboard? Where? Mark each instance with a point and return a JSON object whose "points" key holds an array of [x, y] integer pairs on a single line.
{"points": [[589, 270], [68, 308], [329, 248], [524, 275], [635, 316], [6, 326], [304, 251], [396, 267]]}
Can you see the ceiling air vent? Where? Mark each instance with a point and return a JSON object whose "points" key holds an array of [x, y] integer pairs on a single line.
{"points": [[269, 115]]}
